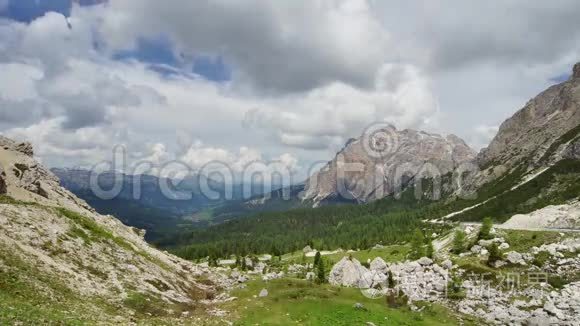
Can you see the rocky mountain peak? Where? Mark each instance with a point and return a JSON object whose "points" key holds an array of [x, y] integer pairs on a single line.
{"points": [[540, 132], [368, 168]]}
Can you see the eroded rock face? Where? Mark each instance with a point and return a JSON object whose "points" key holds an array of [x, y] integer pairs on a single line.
{"points": [[530, 132], [379, 163], [24, 148], [573, 150], [2, 181]]}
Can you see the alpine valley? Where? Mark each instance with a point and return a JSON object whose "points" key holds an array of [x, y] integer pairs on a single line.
{"points": [[496, 243]]}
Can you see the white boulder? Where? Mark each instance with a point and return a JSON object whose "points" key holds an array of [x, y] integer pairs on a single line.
{"points": [[378, 265], [349, 272]]}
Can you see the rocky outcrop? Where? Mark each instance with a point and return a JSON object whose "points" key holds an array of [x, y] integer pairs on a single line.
{"points": [[418, 280], [350, 273], [26, 180], [3, 188], [23, 148], [378, 265], [534, 133], [50, 232], [383, 161], [572, 151]]}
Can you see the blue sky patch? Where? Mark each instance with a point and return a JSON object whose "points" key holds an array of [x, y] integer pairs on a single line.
{"points": [[153, 51], [28, 10], [212, 68], [159, 55]]}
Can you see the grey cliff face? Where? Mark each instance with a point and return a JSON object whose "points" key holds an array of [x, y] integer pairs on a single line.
{"points": [[372, 167], [530, 133]]}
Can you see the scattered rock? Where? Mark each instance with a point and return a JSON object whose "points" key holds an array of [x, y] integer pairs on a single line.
{"points": [[476, 249], [378, 265], [537, 321], [359, 306], [263, 293], [350, 273], [307, 249], [447, 264], [504, 246], [515, 258], [499, 263], [487, 243], [551, 309], [425, 261]]}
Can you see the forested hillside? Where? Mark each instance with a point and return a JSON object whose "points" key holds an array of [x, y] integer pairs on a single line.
{"points": [[387, 221]]}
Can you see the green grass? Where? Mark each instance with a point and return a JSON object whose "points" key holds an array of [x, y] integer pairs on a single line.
{"points": [[49, 303], [4, 199], [94, 230], [90, 231], [523, 241], [297, 302]]}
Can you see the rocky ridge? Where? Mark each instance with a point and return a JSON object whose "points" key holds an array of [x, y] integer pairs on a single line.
{"points": [[383, 161], [49, 230], [545, 130]]}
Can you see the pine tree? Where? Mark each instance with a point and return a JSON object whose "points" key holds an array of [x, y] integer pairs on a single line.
{"points": [[430, 250], [321, 274], [494, 254], [317, 259], [417, 244], [244, 266], [459, 242], [390, 281], [485, 231]]}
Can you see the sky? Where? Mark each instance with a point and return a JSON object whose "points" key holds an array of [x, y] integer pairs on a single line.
{"points": [[274, 81]]}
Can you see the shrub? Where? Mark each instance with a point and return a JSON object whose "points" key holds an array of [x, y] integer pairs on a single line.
{"points": [[485, 231], [494, 254], [417, 245], [458, 242], [541, 258]]}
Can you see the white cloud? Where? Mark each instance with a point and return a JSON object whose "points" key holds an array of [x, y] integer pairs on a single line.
{"points": [[331, 114], [284, 46], [307, 75]]}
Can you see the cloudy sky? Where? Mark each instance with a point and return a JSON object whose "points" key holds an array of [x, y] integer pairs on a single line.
{"points": [[288, 81]]}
